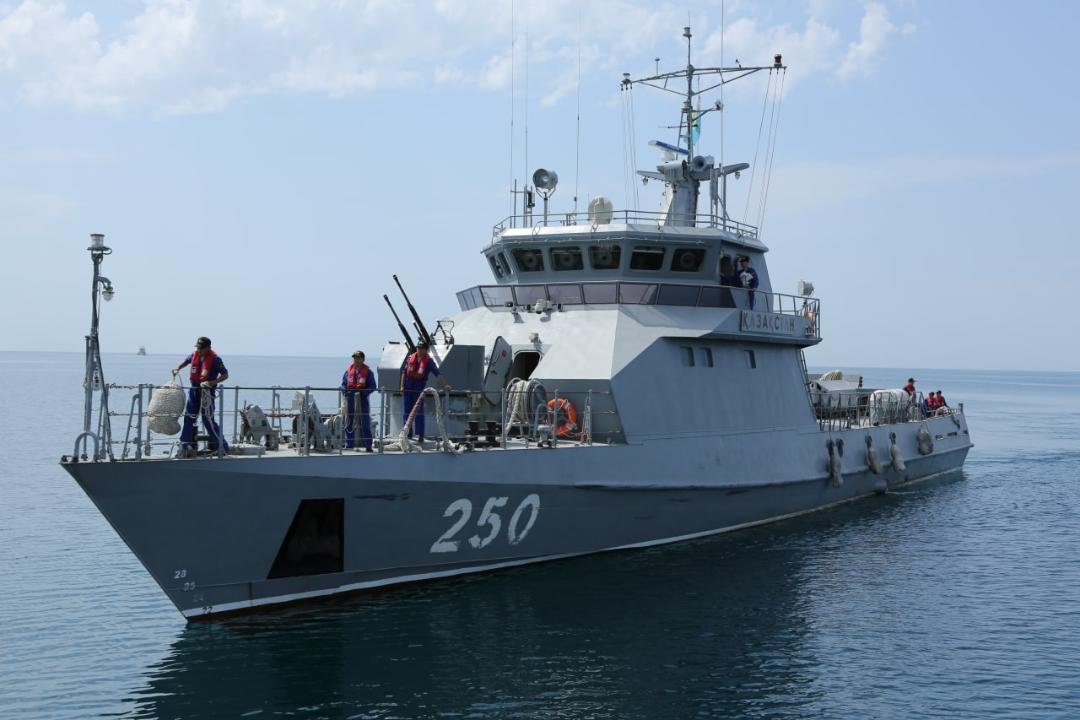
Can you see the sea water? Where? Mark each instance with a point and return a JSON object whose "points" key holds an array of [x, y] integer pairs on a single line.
{"points": [[957, 598]]}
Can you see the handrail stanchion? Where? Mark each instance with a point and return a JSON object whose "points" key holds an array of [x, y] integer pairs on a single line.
{"points": [[305, 413], [502, 418], [148, 449], [382, 419], [138, 427], [343, 414], [221, 422], [554, 418], [236, 414]]}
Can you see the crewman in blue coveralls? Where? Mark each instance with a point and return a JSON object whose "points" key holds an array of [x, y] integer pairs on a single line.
{"points": [[207, 372], [748, 278], [413, 381], [358, 382]]}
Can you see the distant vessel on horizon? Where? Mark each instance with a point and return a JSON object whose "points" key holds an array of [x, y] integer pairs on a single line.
{"points": [[142, 350]]}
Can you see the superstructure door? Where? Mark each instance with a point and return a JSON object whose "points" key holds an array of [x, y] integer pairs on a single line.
{"points": [[498, 367]]}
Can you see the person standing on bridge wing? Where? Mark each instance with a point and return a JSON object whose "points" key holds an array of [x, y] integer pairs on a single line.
{"points": [[358, 383], [414, 377], [207, 372], [748, 278]]}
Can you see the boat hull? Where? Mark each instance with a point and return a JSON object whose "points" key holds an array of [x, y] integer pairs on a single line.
{"points": [[226, 536]]}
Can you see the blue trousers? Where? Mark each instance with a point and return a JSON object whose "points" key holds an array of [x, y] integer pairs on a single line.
{"points": [[409, 399], [191, 415], [357, 418]]}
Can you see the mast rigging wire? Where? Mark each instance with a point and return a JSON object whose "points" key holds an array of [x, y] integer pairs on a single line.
{"points": [[772, 152], [527, 18], [633, 155], [577, 139], [513, 200], [757, 147]]}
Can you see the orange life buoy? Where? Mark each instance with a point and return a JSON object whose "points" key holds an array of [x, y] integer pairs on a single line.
{"points": [[557, 405]]}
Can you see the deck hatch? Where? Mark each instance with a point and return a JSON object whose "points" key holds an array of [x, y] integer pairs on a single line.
{"points": [[315, 542]]}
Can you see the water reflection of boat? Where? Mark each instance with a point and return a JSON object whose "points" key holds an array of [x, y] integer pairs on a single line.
{"points": [[719, 625]]}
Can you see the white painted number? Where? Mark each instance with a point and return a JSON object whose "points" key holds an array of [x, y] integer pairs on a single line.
{"points": [[444, 543], [179, 574], [491, 519], [533, 503]]}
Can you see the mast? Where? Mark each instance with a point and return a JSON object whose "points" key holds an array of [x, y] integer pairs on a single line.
{"points": [[684, 177]]}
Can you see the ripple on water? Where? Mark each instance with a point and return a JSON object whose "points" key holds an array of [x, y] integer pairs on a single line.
{"points": [[953, 599]]}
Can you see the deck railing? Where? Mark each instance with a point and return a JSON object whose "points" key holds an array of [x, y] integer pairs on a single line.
{"points": [[862, 408], [625, 217], [641, 293], [307, 420]]}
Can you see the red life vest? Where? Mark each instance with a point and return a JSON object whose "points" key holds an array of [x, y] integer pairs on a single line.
{"points": [[416, 368], [201, 366], [356, 377]]}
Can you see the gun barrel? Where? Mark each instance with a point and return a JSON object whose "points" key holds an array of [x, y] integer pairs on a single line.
{"points": [[405, 333], [424, 334]]}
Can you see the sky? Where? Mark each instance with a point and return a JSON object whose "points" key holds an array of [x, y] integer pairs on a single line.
{"points": [[261, 168]]}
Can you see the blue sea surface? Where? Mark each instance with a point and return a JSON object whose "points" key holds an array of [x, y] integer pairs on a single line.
{"points": [[957, 598]]}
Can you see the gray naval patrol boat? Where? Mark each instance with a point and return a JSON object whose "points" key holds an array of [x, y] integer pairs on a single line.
{"points": [[619, 384]]}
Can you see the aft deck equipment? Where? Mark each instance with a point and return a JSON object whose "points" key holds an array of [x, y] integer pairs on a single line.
{"points": [[688, 412]]}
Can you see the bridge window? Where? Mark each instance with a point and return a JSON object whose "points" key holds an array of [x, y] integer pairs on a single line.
{"points": [[529, 294], [705, 357], [605, 257], [567, 258], [637, 293], [565, 294], [682, 295], [529, 260], [687, 259], [751, 359], [600, 293], [687, 354], [647, 258], [497, 295], [503, 264], [495, 266], [716, 297]]}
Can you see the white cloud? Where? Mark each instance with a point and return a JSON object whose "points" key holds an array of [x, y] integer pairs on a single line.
{"points": [[875, 29], [189, 56]]}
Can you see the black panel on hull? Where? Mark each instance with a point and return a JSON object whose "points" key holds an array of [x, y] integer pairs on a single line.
{"points": [[315, 543]]}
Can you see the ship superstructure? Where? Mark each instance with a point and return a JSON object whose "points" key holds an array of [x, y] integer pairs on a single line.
{"points": [[621, 381]]}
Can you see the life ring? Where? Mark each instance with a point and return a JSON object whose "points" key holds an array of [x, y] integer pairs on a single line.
{"points": [[557, 405]]}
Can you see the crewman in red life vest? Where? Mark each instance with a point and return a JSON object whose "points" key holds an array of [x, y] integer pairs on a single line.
{"points": [[358, 382], [910, 387], [932, 403], [414, 376], [207, 372]]}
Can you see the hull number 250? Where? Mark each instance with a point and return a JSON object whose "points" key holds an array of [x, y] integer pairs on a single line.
{"points": [[489, 523]]}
